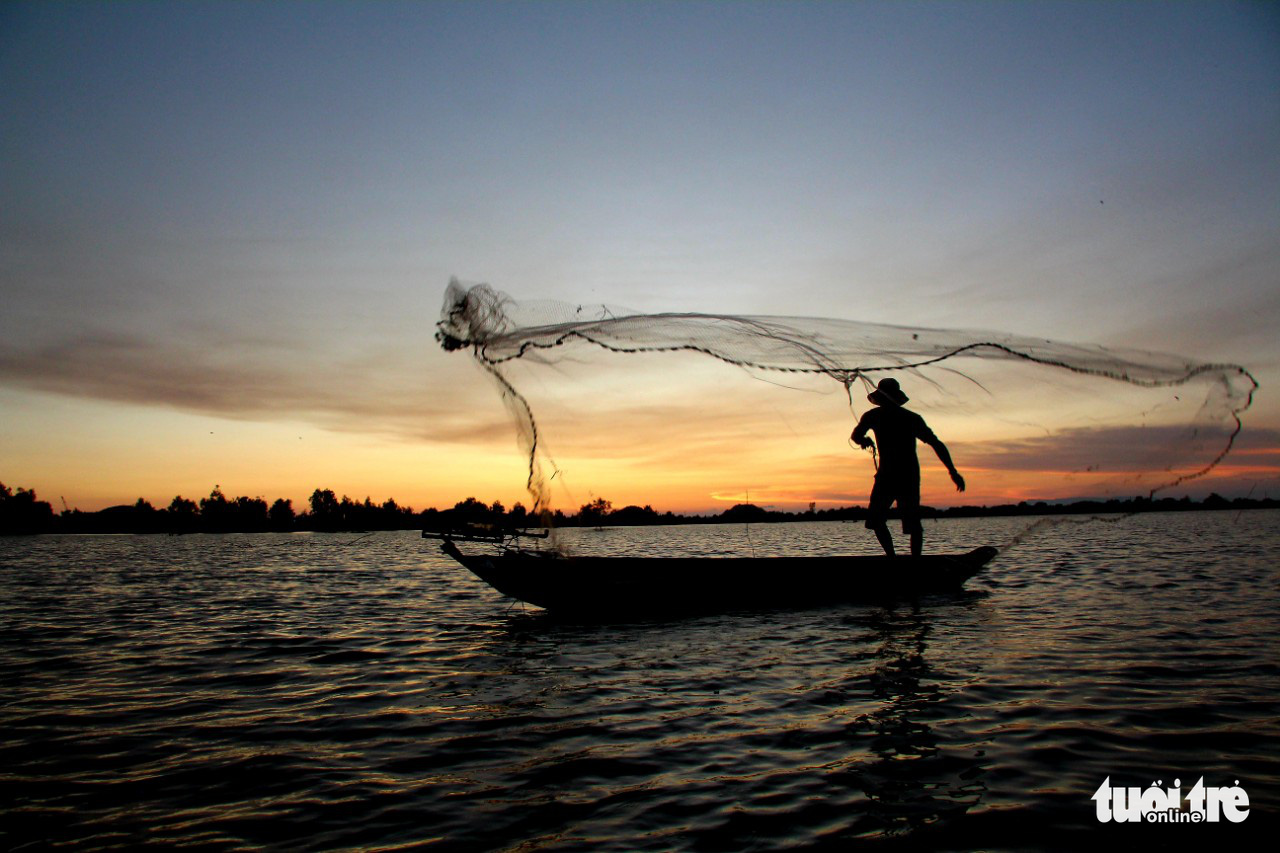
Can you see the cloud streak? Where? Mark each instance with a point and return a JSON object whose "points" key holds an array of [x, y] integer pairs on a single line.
{"points": [[1119, 450], [387, 390]]}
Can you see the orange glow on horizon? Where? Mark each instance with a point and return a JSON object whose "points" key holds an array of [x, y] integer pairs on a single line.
{"points": [[96, 455]]}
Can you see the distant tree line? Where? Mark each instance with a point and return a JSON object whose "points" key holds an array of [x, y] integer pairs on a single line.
{"points": [[218, 513], [21, 512]]}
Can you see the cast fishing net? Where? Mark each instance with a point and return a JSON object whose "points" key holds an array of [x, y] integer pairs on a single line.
{"points": [[1019, 413]]}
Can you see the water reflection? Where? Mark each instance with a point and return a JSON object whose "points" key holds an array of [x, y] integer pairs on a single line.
{"points": [[845, 721], [915, 780]]}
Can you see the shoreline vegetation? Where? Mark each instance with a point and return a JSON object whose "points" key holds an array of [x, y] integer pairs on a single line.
{"points": [[22, 513]]}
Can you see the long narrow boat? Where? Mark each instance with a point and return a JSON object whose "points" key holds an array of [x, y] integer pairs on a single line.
{"points": [[662, 585]]}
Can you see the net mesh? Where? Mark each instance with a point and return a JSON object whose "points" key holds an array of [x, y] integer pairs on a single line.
{"points": [[1176, 422]]}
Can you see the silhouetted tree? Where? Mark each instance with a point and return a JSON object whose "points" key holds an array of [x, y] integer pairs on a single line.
{"points": [[249, 514], [594, 512], [392, 516], [347, 515], [745, 513], [326, 513], [634, 515], [281, 514], [21, 512], [146, 518], [215, 513], [183, 516], [471, 511]]}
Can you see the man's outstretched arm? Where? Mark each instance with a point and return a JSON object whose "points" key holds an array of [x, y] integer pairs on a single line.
{"points": [[943, 454]]}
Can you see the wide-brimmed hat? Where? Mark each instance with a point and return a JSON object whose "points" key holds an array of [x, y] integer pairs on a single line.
{"points": [[887, 391]]}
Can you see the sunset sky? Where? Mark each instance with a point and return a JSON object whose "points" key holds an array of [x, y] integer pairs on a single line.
{"points": [[227, 229]]}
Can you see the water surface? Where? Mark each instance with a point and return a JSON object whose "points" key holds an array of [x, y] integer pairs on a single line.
{"points": [[312, 691]]}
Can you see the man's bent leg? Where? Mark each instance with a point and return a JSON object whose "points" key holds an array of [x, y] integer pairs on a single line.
{"points": [[878, 513], [886, 538]]}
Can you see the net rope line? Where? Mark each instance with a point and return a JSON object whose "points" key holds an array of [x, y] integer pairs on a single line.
{"points": [[475, 318]]}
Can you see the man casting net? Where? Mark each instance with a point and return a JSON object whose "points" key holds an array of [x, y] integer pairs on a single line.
{"points": [[1053, 419]]}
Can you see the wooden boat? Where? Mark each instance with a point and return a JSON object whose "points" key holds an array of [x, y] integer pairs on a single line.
{"points": [[599, 586]]}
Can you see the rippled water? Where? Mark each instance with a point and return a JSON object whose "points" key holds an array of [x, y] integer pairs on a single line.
{"points": [[321, 692]]}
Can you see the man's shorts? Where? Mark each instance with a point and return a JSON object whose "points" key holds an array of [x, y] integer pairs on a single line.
{"points": [[904, 490]]}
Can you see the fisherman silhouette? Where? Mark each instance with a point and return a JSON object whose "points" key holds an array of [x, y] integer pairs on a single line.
{"points": [[898, 472]]}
